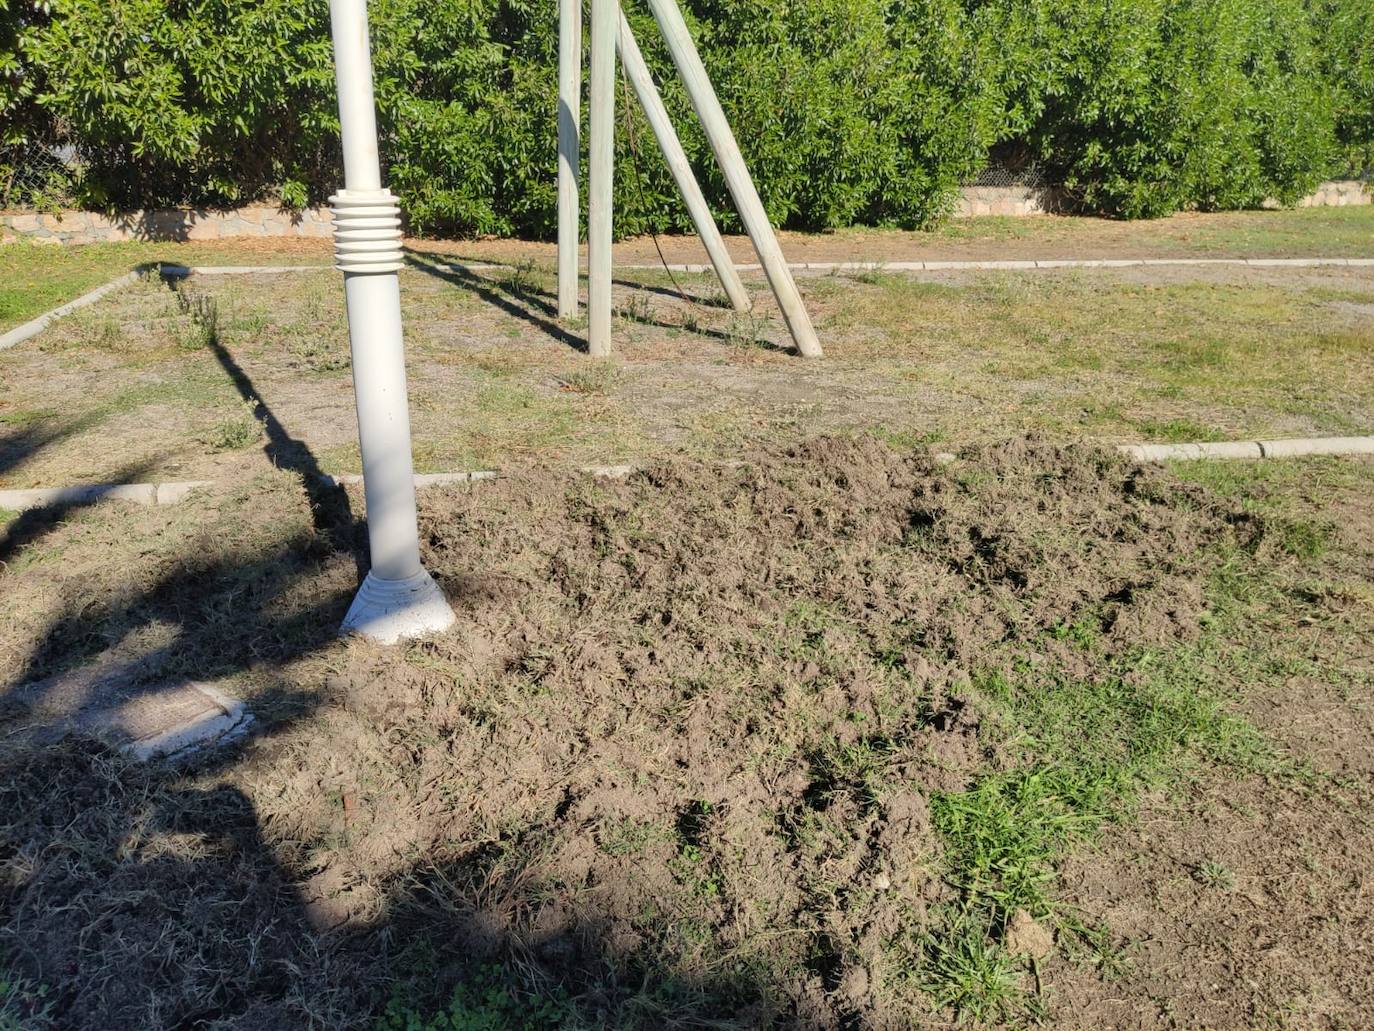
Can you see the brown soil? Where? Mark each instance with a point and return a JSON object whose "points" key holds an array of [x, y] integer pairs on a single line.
{"points": [[675, 757], [1247, 904]]}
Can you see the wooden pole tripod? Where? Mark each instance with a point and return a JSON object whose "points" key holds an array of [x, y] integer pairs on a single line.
{"points": [[610, 32]]}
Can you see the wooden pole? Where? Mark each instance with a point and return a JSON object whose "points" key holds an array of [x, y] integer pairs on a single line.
{"points": [[569, 151], [601, 157], [673, 154], [727, 151]]}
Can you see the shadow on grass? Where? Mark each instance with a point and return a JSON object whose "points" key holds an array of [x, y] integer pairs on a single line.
{"points": [[329, 506], [18, 446], [676, 294], [32, 524], [148, 896], [152, 895], [539, 308], [527, 305]]}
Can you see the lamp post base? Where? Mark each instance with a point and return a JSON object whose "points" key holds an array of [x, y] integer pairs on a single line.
{"points": [[388, 611]]}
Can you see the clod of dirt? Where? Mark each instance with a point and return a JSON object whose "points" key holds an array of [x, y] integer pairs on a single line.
{"points": [[1026, 937]]}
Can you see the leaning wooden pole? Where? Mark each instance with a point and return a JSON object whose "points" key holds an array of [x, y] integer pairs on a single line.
{"points": [[600, 183], [727, 152], [681, 168], [569, 151]]}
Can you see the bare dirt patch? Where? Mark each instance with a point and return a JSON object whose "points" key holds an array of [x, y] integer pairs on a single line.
{"points": [[1245, 903], [676, 762]]}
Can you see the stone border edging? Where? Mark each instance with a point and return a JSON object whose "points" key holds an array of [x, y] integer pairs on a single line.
{"points": [[1020, 265], [173, 492], [88, 494], [1301, 447]]}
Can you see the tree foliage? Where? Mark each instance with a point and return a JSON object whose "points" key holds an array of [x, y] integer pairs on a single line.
{"points": [[848, 111]]}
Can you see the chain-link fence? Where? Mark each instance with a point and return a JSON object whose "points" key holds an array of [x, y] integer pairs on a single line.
{"points": [[1031, 176], [37, 174]]}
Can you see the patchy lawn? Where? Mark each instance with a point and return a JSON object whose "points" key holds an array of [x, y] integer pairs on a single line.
{"points": [[794, 727], [36, 278], [224, 377], [835, 736]]}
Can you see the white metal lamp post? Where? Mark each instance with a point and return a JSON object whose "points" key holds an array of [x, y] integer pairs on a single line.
{"points": [[398, 599], [600, 176]]}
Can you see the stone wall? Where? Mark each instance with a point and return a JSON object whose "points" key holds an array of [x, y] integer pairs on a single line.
{"points": [[172, 224], [1012, 201], [1017, 201], [266, 220], [1338, 193]]}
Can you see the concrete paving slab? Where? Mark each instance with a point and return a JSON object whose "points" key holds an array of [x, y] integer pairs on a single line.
{"points": [[110, 700]]}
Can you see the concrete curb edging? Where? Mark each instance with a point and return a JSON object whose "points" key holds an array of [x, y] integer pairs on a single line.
{"points": [[231, 721], [89, 494], [35, 326], [1019, 265], [1302, 447], [174, 492]]}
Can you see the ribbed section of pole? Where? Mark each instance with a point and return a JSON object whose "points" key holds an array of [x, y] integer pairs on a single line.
{"points": [[727, 152], [569, 150], [398, 599], [676, 157], [600, 183]]}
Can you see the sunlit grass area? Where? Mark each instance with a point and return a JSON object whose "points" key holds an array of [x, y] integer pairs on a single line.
{"points": [[184, 380]]}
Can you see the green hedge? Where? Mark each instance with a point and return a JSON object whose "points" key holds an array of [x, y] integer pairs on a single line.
{"points": [[849, 111]]}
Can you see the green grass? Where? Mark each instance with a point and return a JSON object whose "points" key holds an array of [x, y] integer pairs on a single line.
{"points": [[1193, 360], [1215, 875], [22, 1002], [1064, 354], [628, 836], [599, 377], [1177, 431], [236, 433], [1083, 751], [1086, 750], [488, 1000], [35, 278], [1298, 232]]}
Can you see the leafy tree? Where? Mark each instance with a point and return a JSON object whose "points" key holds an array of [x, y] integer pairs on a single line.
{"points": [[849, 111]]}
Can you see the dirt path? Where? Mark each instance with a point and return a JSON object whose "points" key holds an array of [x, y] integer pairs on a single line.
{"points": [[1337, 232]]}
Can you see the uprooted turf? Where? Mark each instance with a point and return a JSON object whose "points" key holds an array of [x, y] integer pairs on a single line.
{"points": [[798, 740]]}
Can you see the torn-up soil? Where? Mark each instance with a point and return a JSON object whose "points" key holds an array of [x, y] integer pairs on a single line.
{"points": [[1248, 902], [673, 764]]}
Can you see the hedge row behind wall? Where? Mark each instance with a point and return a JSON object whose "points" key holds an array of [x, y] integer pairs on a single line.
{"points": [[849, 111]]}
